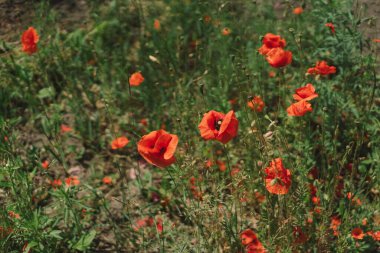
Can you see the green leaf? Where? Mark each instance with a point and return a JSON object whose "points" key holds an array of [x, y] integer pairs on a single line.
{"points": [[85, 241], [46, 93], [55, 234]]}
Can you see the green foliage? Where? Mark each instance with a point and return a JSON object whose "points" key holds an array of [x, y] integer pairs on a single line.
{"points": [[79, 77]]}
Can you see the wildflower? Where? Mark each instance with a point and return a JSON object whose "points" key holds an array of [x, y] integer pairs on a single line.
{"points": [[364, 222], [119, 143], [271, 74], [226, 31], [316, 200], [136, 79], [322, 68], [317, 210], [299, 236], [256, 104], [158, 148], [313, 173], [232, 101], [271, 41], [157, 25], [207, 19], [45, 164], [144, 122], [248, 236], [299, 108], [72, 181], [209, 163], [313, 190], [260, 197], [256, 247], [149, 222], [376, 235], [234, 171], [218, 126], [65, 129], [376, 40], [297, 10], [278, 57], [306, 92], [278, 179], [357, 233], [331, 26], [335, 222], [107, 180], [29, 40], [56, 183], [221, 165], [14, 215], [193, 188], [249, 239]]}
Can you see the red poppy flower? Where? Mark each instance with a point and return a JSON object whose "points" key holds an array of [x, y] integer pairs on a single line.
{"points": [[136, 79], [14, 215], [149, 222], [278, 57], [157, 25], [29, 40], [272, 74], [65, 129], [158, 148], [209, 164], [234, 171], [270, 41], [278, 179], [144, 122], [232, 101], [45, 164], [331, 26], [248, 236], [226, 31], [255, 247], [222, 165], [321, 68], [107, 180], [299, 236], [376, 235], [376, 40], [316, 200], [313, 190], [298, 10], [159, 225], [56, 183], [72, 181], [218, 126], [119, 142], [257, 104], [357, 233], [306, 92], [313, 173], [299, 108], [260, 197], [207, 19]]}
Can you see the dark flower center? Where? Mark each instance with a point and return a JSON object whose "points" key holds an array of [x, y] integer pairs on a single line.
{"points": [[218, 123]]}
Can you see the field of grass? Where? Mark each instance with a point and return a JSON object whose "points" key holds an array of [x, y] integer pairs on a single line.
{"points": [[190, 126]]}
